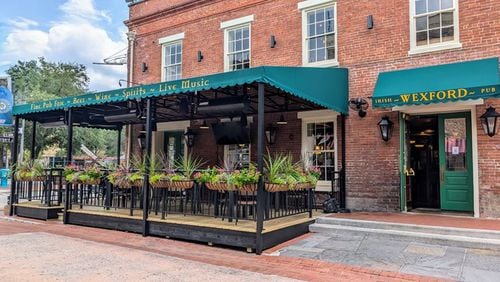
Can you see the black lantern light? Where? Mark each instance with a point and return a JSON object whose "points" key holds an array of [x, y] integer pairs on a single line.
{"points": [[204, 125], [141, 138], [386, 127], [489, 121], [189, 138], [282, 120], [271, 134]]}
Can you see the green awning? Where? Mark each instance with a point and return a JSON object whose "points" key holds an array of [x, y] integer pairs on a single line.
{"points": [[438, 84], [327, 87]]}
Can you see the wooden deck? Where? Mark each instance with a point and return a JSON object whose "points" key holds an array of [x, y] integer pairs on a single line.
{"points": [[196, 228], [37, 210]]}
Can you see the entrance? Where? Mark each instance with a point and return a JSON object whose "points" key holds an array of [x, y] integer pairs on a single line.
{"points": [[173, 146], [438, 162]]}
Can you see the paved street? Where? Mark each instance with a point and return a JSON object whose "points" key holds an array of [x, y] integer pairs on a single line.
{"points": [[404, 256], [39, 251]]}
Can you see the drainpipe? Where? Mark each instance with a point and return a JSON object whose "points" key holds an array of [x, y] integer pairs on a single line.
{"points": [[131, 36]]}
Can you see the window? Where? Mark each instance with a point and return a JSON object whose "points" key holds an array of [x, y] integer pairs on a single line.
{"points": [[319, 34], [171, 57], [237, 155], [172, 66], [434, 25], [237, 43]]}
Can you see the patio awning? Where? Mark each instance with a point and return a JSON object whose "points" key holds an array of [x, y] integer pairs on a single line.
{"points": [[438, 84], [326, 87]]}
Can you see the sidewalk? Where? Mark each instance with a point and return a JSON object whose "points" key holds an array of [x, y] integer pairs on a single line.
{"points": [[285, 267]]}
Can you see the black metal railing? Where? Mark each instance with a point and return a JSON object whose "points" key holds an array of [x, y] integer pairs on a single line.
{"points": [[47, 189]]}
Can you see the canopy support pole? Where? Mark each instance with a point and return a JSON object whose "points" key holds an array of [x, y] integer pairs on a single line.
{"points": [[32, 157], [14, 164], [342, 172], [261, 197], [118, 146], [69, 157], [147, 160]]}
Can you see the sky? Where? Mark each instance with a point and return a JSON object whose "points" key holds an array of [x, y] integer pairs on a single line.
{"points": [[71, 31]]}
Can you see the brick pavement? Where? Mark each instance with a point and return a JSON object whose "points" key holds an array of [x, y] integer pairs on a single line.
{"points": [[425, 219], [289, 267]]}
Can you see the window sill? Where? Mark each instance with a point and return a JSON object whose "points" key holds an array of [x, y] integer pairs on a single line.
{"points": [[436, 48], [324, 64]]}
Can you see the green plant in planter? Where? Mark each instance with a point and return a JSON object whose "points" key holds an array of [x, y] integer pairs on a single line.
{"points": [[120, 177], [91, 175], [206, 176], [29, 170], [187, 166], [246, 176], [313, 174], [276, 167]]}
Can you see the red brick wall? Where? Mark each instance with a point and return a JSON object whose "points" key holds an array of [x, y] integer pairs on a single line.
{"points": [[372, 165]]}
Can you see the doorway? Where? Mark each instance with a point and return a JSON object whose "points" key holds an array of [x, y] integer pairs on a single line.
{"points": [[173, 146], [438, 162]]}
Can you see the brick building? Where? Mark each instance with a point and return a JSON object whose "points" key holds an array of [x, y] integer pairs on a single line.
{"points": [[438, 156]]}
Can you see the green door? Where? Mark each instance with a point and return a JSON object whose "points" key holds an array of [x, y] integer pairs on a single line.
{"points": [[455, 162], [173, 146]]}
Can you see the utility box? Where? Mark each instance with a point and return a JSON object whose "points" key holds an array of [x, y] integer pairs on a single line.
{"points": [[4, 177]]}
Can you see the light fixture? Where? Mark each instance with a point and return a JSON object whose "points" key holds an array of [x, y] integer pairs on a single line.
{"points": [[386, 127], [189, 137], [360, 105], [200, 56], [489, 121], [272, 41], [271, 134], [144, 67], [204, 125], [282, 120]]}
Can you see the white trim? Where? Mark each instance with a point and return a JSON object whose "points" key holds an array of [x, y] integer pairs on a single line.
{"points": [[440, 107], [238, 21], [316, 117], [460, 106], [311, 3], [414, 49], [171, 38], [226, 50], [163, 47]]}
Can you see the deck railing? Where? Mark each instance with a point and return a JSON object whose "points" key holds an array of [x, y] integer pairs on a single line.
{"points": [[48, 189]]}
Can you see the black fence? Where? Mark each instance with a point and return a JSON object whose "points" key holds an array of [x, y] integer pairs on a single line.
{"points": [[48, 189]]}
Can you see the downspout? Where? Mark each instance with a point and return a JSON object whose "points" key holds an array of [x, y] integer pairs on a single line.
{"points": [[131, 36]]}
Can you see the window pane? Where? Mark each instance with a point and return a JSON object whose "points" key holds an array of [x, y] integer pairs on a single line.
{"points": [[447, 19], [421, 23], [330, 40], [320, 28], [420, 6], [239, 45], [246, 44], [312, 56], [230, 36], [433, 5], [238, 34], [312, 44], [320, 42], [321, 54], [434, 21], [311, 31], [329, 13], [448, 34], [311, 17], [421, 38], [320, 16], [246, 33], [330, 53], [455, 143], [446, 4], [330, 26], [434, 36]]}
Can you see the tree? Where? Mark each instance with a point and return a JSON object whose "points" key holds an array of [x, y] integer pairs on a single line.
{"points": [[37, 80]]}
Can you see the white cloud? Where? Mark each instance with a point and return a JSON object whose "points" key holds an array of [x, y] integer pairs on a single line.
{"points": [[77, 37], [21, 23]]}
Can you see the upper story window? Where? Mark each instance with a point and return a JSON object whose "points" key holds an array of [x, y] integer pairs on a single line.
{"points": [[434, 25], [237, 43], [172, 57], [319, 31]]}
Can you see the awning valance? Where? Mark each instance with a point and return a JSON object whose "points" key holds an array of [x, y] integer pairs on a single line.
{"points": [[327, 87], [438, 84]]}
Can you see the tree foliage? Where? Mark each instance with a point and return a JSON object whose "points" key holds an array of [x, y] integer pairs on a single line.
{"points": [[38, 80]]}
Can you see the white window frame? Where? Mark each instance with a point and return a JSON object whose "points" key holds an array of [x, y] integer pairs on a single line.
{"points": [[232, 25], [321, 116], [415, 50], [311, 5], [226, 153], [165, 42]]}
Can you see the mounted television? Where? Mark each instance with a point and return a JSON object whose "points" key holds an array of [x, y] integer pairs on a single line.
{"points": [[230, 133]]}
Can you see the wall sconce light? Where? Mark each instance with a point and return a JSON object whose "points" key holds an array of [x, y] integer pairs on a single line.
{"points": [[200, 56], [272, 42], [271, 134], [489, 121], [282, 120], [144, 67], [386, 127], [369, 22], [360, 105], [189, 137]]}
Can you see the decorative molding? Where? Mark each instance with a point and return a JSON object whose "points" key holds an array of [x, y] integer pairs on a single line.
{"points": [[236, 22], [171, 38], [311, 3]]}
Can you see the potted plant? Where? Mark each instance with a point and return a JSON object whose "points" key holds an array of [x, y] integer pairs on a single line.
{"points": [[120, 177], [186, 167], [91, 175], [246, 179], [276, 178], [136, 177], [158, 176], [31, 170]]}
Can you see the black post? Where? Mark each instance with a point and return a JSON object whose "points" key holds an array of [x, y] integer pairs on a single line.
{"points": [[342, 172], [145, 199], [13, 165], [118, 146], [260, 166], [69, 156]]}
